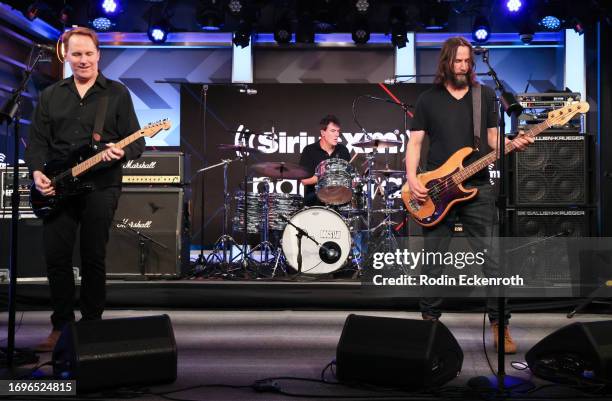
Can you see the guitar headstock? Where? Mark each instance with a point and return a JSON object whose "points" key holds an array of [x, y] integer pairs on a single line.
{"points": [[151, 129], [566, 113]]}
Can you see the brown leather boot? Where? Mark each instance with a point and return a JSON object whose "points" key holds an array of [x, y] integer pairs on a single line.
{"points": [[509, 344], [49, 344]]}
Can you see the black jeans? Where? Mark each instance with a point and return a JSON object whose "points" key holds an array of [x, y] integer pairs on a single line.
{"points": [[93, 212], [479, 220]]}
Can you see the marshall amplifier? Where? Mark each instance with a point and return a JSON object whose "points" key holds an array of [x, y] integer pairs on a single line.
{"points": [[154, 167], [149, 234]]}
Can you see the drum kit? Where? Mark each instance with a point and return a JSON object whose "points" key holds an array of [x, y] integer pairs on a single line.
{"points": [[316, 240]]}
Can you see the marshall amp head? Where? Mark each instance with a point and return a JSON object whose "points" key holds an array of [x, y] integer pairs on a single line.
{"points": [[154, 167]]}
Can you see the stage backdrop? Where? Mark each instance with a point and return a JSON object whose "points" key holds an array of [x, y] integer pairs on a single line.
{"points": [[294, 110]]}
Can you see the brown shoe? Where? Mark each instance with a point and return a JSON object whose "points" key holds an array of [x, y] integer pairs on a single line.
{"points": [[509, 344], [49, 344]]}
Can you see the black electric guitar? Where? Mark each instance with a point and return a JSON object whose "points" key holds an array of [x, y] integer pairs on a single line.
{"points": [[445, 183], [64, 173]]}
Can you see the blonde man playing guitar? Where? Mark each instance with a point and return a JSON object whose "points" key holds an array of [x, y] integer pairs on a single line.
{"points": [[445, 114]]}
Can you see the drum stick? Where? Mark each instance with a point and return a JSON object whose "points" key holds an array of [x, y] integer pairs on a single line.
{"points": [[353, 158]]}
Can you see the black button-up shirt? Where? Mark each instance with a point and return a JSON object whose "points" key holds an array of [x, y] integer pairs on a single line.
{"points": [[63, 122], [312, 155]]}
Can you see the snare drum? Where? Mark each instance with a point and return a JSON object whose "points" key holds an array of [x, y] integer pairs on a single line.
{"points": [[328, 229], [335, 181]]}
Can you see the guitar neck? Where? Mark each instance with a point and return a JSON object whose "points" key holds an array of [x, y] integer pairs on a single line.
{"points": [[83, 167], [492, 156]]}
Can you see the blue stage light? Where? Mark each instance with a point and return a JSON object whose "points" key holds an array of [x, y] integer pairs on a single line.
{"points": [[110, 6], [514, 5], [550, 23], [157, 34], [481, 30], [102, 24]]}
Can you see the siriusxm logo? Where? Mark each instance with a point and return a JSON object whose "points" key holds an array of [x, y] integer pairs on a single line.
{"points": [[282, 143]]}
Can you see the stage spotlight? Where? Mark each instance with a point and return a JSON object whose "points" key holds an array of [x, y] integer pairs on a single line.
{"points": [[481, 30], [242, 36], [102, 24], [235, 6], [305, 31], [361, 32], [33, 11], [550, 23], [398, 27], [210, 18], [158, 33], [65, 14], [362, 6], [526, 32], [110, 7], [514, 5], [576, 24], [282, 31]]}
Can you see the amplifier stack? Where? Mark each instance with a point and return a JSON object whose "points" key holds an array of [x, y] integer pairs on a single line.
{"points": [[149, 235], [551, 182]]}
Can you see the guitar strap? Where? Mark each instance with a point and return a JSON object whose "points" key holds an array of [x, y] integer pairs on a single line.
{"points": [[477, 113], [99, 123]]}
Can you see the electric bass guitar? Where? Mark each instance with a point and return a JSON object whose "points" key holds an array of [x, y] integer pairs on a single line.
{"points": [[445, 183], [64, 174]]}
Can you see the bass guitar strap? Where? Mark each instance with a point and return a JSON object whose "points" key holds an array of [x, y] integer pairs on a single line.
{"points": [[477, 113]]}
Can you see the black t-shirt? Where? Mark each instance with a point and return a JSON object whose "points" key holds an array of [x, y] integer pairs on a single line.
{"points": [[312, 155], [448, 123]]}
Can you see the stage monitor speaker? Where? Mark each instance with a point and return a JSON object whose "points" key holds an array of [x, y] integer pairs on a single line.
{"points": [[553, 171], [397, 352], [577, 352], [160, 214], [101, 354]]}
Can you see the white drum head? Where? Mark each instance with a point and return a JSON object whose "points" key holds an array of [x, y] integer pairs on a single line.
{"points": [[325, 226]]}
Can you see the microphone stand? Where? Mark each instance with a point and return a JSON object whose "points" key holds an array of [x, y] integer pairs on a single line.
{"points": [[510, 106], [143, 240], [300, 233], [11, 113]]}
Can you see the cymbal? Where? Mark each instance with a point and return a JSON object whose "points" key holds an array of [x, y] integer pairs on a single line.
{"points": [[280, 170], [377, 143], [237, 148], [388, 172]]}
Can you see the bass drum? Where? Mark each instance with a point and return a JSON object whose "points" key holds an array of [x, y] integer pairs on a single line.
{"points": [[328, 229]]}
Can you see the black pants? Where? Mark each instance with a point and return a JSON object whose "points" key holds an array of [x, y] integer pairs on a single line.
{"points": [[479, 220], [93, 212]]}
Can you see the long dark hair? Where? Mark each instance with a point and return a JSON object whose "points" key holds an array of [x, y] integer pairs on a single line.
{"points": [[448, 54]]}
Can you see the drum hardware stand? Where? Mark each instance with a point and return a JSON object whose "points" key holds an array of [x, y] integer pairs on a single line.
{"points": [[244, 261], [143, 242], [265, 247], [225, 242]]}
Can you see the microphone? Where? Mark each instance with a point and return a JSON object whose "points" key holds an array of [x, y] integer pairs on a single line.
{"points": [[480, 50], [48, 48]]}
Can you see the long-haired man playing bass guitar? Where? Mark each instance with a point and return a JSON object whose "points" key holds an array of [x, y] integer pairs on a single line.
{"points": [[445, 114]]}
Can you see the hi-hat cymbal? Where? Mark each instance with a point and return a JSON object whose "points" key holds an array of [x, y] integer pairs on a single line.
{"points": [[280, 170], [388, 172], [377, 143], [238, 148]]}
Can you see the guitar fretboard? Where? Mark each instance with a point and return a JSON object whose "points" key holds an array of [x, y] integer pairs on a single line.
{"points": [[97, 158], [462, 175]]}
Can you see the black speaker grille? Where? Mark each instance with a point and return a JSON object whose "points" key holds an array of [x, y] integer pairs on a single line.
{"points": [[157, 213], [552, 172]]}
